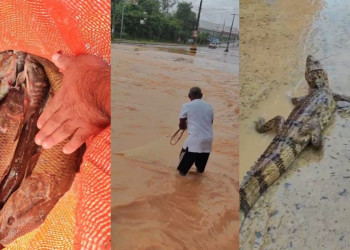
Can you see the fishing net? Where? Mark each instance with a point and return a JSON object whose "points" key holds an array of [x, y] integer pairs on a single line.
{"points": [[81, 219]]}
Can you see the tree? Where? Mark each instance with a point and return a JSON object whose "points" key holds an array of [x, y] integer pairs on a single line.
{"points": [[203, 37], [150, 6], [186, 20], [157, 24], [166, 5]]}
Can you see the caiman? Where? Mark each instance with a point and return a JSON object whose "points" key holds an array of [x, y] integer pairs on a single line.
{"points": [[311, 115], [32, 179]]}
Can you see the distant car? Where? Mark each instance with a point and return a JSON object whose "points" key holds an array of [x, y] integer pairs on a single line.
{"points": [[212, 45]]}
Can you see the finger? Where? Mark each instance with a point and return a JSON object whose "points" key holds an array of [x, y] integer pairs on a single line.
{"points": [[55, 121], [62, 61], [79, 137], [64, 131], [52, 107]]}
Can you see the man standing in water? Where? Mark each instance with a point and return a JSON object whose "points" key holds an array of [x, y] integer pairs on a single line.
{"points": [[196, 116]]}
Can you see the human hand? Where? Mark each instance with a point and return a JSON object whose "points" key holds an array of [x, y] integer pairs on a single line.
{"points": [[81, 107]]}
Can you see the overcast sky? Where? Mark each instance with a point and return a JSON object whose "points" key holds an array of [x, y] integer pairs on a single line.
{"points": [[216, 11]]}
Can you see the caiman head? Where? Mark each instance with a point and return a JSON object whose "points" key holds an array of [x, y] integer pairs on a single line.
{"points": [[315, 75], [26, 209]]}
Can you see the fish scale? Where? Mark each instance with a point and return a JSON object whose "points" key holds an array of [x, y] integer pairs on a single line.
{"points": [[50, 179], [10, 121], [316, 108], [24, 158]]}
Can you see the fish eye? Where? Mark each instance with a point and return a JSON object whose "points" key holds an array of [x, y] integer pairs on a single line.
{"points": [[10, 221]]}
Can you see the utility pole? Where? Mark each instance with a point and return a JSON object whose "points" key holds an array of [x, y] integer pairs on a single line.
{"points": [[195, 34], [222, 32], [228, 41], [122, 23]]}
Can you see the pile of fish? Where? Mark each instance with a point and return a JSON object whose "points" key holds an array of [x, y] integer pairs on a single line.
{"points": [[32, 179]]}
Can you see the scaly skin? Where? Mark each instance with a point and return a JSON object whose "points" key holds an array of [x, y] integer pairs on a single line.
{"points": [[25, 156], [311, 115], [51, 178], [11, 117]]}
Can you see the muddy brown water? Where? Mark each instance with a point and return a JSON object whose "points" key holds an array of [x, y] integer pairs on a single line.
{"points": [[153, 207], [308, 207]]}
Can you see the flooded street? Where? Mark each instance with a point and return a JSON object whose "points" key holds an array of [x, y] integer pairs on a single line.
{"points": [[152, 206], [307, 208]]}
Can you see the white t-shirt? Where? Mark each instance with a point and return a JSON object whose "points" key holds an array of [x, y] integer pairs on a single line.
{"points": [[200, 117]]}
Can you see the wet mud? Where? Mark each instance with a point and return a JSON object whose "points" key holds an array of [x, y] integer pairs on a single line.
{"points": [[152, 206], [307, 207]]}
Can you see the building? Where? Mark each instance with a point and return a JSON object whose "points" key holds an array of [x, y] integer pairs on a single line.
{"points": [[216, 31]]}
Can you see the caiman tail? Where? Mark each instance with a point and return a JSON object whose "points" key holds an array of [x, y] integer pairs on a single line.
{"points": [[276, 159]]}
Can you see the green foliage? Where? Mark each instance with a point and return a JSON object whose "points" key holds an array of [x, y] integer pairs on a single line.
{"points": [[166, 5], [150, 6], [158, 23], [186, 20], [203, 38]]}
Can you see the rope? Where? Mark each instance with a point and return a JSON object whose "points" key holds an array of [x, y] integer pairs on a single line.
{"points": [[175, 138]]}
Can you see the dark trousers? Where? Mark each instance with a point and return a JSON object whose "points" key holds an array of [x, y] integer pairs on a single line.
{"points": [[188, 158]]}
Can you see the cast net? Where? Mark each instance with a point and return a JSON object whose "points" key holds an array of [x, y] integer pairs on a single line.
{"points": [[81, 219]]}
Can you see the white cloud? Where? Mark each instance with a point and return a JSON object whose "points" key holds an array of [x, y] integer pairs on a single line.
{"points": [[218, 11]]}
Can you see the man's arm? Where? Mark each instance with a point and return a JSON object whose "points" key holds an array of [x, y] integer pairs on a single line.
{"points": [[183, 124], [81, 107]]}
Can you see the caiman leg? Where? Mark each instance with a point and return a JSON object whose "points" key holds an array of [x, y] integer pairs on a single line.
{"points": [[297, 101], [314, 129], [341, 98], [262, 127]]}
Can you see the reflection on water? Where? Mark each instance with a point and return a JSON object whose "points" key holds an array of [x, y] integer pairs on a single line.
{"points": [[307, 207], [153, 207]]}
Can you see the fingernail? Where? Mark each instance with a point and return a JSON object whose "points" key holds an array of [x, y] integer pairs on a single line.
{"points": [[39, 125], [37, 141], [65, 151], [45, 145]]}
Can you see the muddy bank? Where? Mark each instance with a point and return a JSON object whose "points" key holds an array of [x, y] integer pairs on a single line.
{"points": [[272, 64], [152, 207], [307, 207]]}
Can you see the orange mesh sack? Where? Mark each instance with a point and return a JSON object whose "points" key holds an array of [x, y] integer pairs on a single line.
{"points": [[81, 218]]}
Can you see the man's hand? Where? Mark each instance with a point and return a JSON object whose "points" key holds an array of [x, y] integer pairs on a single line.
{"points": [[81, 107], [183, 124]]}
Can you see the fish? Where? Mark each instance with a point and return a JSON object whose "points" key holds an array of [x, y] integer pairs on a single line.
{"points": [[8, 74], [11, 116], [28, 207], [27, 151], [49, 173], [21, 57]]}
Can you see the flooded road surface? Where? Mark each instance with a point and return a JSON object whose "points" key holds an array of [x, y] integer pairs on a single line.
{"points": [[307, 208], [204, 57], [153, 207]]}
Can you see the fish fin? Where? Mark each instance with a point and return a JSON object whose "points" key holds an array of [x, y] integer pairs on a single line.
{"points": [[19, 131], [21, 77], [28, 113], [28, 110], [31, 164]]}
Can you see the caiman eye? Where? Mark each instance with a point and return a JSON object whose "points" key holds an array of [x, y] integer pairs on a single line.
{"points": [[10, 221]]}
